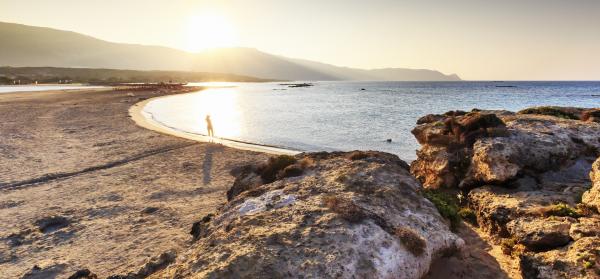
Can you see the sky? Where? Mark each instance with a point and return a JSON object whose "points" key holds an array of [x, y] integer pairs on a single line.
{"points": [[476, 39]]}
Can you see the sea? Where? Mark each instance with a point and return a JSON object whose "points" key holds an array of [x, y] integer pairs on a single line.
{"points": [[344, 116]]}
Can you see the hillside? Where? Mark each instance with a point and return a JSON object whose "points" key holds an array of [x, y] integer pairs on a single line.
{"points": [[29, 46]]}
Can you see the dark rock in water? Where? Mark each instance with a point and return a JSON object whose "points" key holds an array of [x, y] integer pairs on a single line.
{"points": [[52, 223], [293, 85], [83, 274]]}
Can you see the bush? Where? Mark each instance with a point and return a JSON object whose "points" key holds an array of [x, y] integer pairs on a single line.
{"points": [[268, 172], [468, 215], [345, 208], [552, 111], [446, 205], [507, 245], [562, 210], [413, 242]]}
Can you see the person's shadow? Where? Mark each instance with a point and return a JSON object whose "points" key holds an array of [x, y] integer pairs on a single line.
{"points": [[207, 164]]}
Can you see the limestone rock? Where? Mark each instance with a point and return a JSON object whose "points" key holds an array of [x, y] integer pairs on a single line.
{"points": [[592, 196], [496, 206], [348, 215], [486, 147], [539, 234], [586, 226], [578, 260]]}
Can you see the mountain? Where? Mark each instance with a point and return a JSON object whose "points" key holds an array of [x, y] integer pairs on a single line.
{"points": [[29, 46]]}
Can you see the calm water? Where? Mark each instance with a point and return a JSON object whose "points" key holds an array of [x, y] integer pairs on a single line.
{"points": [[340, 116], [26, 88]]}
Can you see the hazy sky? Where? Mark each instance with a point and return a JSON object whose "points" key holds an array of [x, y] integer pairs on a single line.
{"points": [[477, 39]]}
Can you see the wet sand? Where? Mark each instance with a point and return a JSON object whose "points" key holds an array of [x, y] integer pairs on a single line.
{"points": [[145, 120], [83, 186]]}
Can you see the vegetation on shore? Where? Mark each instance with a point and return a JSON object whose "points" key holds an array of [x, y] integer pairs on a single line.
{"points": [[31, 75]]}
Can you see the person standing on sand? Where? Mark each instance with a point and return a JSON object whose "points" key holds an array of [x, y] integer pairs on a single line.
{"points": [[209, 126]]}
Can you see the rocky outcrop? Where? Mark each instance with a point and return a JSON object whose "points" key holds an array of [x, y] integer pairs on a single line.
{"points": [[541, 234], [592, 196], [580, 259], [344, 215], [496, 147], [525, 177], [591, 115]]}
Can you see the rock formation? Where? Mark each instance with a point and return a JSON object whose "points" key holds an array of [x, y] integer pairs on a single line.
{"points": [[493, 147], [525, 175], [320, 215], [592, 197]]}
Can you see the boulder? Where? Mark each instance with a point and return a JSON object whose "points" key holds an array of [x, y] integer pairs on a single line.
{"points": [[592, 196], [541, 234], [591, 115], [580, 259], [499, 147], [526, 178], [495, 206], [585, 226], [357, 214]]}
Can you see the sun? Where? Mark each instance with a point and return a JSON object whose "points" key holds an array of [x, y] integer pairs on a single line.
{"points": [[209, 31]]}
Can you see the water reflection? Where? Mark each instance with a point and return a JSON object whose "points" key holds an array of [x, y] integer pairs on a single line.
{"points": [[191, 110], [221, 105]]}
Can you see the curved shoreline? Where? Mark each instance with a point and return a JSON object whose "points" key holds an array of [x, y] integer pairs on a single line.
{"points": [[136, 112]]}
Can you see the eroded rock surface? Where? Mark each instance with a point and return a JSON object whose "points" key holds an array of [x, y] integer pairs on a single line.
{"points": [[347, 215], [492, 147], [541, 234], [592, 197], [580, 259], [531, 181]]}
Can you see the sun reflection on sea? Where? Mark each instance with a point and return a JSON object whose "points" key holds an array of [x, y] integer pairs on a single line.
{"points": [[221, 105]]}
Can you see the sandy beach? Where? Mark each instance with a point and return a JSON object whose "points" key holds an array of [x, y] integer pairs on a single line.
{"points": [[82, 186]]}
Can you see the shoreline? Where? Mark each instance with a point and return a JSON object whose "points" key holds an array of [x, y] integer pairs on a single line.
{"points": [[137, 114]]}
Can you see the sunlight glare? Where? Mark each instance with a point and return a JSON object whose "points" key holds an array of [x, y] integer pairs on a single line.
{"points": [[221, 105], [209, 31]]}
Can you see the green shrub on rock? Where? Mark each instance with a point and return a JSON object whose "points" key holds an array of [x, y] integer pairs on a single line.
{"points": [[552, 111], [446, 205]]}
